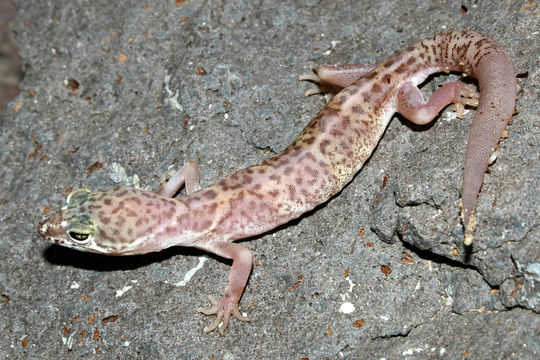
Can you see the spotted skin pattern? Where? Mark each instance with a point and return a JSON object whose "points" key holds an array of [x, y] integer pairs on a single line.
{"points": [[319, 163]]}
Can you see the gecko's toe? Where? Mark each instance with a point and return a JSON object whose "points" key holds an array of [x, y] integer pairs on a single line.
{"points": [[313, 78], [309, 77], [223, 309], [313, 91]]}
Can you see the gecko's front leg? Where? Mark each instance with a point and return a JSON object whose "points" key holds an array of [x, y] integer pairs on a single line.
{"points": [[188, 175], [241, 256], [228, 305]]}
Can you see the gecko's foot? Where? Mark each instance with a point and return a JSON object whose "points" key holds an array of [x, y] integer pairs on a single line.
{"points": [[467, 95], [223, 309], [312, 77], [321, 87]]}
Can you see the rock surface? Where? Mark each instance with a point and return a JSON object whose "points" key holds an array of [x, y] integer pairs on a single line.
{"points": [[123, 92]]}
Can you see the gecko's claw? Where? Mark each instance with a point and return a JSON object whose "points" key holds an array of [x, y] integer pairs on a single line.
{"points": [[313, 77], [223, 309], [310, 77], [321, 86], [467, 95]]}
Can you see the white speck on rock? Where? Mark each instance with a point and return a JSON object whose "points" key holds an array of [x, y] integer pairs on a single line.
{"points": [[123, 290], [347, 308], [190, 273]]}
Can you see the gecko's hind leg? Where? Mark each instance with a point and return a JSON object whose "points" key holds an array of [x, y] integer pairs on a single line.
{"points": [[331, 79]]}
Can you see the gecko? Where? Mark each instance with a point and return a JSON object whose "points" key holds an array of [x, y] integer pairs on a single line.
{"points": [[323, 158]]}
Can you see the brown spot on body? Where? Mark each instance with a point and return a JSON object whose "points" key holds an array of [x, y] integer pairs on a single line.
{"points": [[120, 221], [353, 90], [371, 75], [170, 230], [344, 145], [366, 97], [276, 178], [323, 145], [255, 194], [357, 109], [314, 123], [141, 221], [170, 212], [147, 195], [342, 98], [118, 208], [307, 156], [309, 140], [135, 199], [295, 151], [211, 209], [387, 79], [401, 68], [181, 219], [105, 236], [331, 111], [345, 122], [209, 194], [206, 224], [292, 191], [392, 60], [122, 193], [308, 169], [323, 122], [103, 219]]}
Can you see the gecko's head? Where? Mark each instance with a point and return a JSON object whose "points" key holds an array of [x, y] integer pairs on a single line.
{"points": [[72, 226], [102, 222]]}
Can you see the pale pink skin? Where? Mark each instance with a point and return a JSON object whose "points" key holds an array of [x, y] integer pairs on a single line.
{"points": [[319, 163]]}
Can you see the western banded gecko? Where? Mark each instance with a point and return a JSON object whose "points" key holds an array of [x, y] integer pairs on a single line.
{"points": [[319, 163]]}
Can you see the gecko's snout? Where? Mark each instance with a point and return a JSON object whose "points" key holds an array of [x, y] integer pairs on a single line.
{"points": [[42, 228], [46, 227]]}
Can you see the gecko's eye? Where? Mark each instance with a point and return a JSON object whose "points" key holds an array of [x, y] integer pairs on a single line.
{"points": [[80, 229], [80, 238]]}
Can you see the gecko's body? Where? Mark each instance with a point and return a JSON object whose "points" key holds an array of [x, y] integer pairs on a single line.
{"points": [[320, 162]]}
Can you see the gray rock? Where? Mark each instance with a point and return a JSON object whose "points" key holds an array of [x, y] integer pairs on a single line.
{"points": [[160, 83]]}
